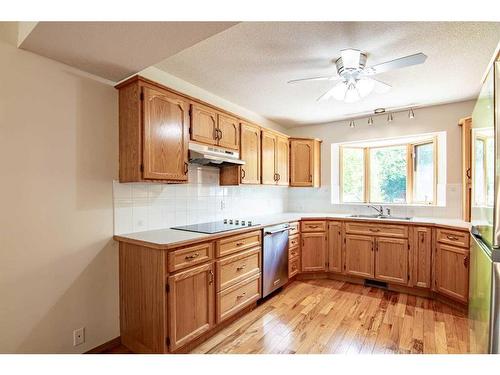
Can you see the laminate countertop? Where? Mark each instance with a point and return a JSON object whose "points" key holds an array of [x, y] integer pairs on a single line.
{"points": [[171, 238]]}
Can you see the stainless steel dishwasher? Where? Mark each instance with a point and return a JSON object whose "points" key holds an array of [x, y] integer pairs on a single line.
{"points": [[275, 258]]}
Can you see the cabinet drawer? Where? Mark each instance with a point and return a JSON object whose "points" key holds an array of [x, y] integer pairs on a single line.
{"points": [[237, 297], [230, 245], [235, 268], [294, 228], [390, 230], [293, 252], [189, 256], [293, 266], [294, 240], [453, 237], [313, 226]]}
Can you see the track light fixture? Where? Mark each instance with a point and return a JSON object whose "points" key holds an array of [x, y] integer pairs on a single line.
{"points": [[352, 124], [370, 120], [390, 118], [411, 114]]}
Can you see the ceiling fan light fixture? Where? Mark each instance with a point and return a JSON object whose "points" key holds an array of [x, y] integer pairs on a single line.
{"points": [[352, 94], [339, 91], [365, 86], [411, 114]]}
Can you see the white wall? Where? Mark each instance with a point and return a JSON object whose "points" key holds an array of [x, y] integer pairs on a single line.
{"points": [[428, 119], [140, 207], [58, 156]]}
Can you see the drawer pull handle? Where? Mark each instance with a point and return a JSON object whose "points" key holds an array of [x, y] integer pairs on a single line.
{"points": [[241, 267], [452, 238], [241, 295], [190, 257], [374, 230], [211, 279], [466, 261], [313, 226], [240, 243]]}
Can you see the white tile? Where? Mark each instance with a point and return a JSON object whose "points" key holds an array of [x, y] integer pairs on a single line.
{"points": [[122, 191], [140, 191]]}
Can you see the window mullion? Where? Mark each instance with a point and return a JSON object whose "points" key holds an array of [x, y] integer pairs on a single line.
{"points": [[367, 174]]}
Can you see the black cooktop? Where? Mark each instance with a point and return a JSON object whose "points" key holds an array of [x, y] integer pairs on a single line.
{"points": [[216, 226]]}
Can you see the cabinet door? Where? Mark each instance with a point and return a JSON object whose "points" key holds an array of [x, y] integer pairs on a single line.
{"points": [[391, 260], [452, 271], [268, 158], [282, 152], [229, 132], [301, 162], [422, 250], [250, 153], [359, 257], [165, 147], [191, 304], [313, 252], [335, 246], [203, 124]]}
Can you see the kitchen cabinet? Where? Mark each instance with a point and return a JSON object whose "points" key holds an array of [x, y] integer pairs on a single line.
{"points": [[359, 258], [452, 271], [212, 127], [153, 133], [191, 304], [335, 246], [305, 162], [313, 252], [391, 260], [422, 252], [274, 158], [250, 153]]}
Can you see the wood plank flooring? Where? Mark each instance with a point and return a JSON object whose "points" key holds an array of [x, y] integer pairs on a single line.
{"points": [[328, 316]]}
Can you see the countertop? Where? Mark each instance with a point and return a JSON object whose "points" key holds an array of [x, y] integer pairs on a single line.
{"points": [[170, 238]]}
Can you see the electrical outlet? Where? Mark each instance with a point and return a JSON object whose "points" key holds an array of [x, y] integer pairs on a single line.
{"points": [[78, 336]]}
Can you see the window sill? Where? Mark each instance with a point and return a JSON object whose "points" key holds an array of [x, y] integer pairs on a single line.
{"points": [[388, 204]]}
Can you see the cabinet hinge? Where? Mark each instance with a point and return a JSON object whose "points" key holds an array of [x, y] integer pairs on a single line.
{"points": [[167, 341], [141, 96], [408, 246], [344, 240], [167, 288], [142, 167], [408, 277]]}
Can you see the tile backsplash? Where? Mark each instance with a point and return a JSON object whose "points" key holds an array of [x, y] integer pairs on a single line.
{"points": [[146, 206]]}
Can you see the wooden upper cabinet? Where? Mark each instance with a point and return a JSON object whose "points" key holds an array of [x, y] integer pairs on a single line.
{"points": [[305, 162], [191, 310], [165, 149], [268, 158], [153, 133], [335, 246], [250, 153], [204, 124], [391, 260], [452, 272], [422, 250], [229, 132], [313, 252], [282, 152], [359, 258]]}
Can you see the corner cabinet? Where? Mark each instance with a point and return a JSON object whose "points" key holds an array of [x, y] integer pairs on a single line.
{"points": [[154, 133], [305, 162], [275, 163]]}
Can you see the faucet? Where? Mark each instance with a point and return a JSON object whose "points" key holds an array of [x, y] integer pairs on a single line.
{"points": [[380, 210]]}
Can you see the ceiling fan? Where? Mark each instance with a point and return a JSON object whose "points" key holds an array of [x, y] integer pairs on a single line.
{"points": [[354, 78]]}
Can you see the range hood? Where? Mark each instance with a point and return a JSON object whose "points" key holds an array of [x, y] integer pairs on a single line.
{"points": [[211, 155]]}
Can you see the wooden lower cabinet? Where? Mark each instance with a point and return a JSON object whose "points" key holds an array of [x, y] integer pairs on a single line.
{"points": [[422, 252], [452, 271], [391, 260], [359, 259], [235, 298], [190, 304], [293, 266], [335, 246], [313, 252]]}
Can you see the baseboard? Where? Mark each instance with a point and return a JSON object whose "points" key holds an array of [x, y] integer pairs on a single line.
{"points": [[108, 345]]}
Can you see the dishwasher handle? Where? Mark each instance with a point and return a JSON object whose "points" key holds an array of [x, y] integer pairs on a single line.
{"points": [[276, 231]]}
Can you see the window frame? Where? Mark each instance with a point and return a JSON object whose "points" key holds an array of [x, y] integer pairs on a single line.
{"points": [[410, 171]]}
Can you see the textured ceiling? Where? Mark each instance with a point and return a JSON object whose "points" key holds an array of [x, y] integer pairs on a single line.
{"points": [[250, 63], [115, 50]]}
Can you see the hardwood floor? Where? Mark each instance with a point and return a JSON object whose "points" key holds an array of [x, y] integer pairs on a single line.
{"points": [[328, 316]]}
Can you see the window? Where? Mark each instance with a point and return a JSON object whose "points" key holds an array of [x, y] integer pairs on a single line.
{"points": [[392, 173]]}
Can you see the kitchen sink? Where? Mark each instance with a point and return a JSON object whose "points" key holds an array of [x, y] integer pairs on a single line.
{"points": [[377, 216]]}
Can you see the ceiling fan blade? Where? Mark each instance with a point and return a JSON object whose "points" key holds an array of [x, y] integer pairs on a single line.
{"points": [[402, 62], [329, 78], [381, 87]]}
